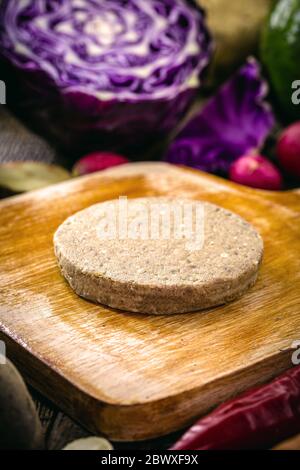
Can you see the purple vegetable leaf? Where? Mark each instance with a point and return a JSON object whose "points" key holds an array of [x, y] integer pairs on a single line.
{"points": [[234, 122]]}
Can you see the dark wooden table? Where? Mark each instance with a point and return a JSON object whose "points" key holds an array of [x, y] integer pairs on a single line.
{"points": [[60, 429]]}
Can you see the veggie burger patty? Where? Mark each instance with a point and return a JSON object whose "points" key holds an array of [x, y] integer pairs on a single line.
{"points": [[158, 255]]}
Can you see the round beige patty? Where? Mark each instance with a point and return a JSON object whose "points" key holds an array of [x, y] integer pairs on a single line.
{"points": [[158, 255]]}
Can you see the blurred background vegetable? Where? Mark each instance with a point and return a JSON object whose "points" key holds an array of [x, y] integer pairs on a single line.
{"points": [[280, 52], [18, 177], [288, 149], [20, 427], [236, 28], [89, 443], [97, 161], [235, 121], [257, 172]]}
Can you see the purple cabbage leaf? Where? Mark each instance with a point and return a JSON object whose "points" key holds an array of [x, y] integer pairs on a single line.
{"points": [[235, 121]]}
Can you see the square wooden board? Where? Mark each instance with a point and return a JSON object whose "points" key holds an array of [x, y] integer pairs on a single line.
{"points": [[133, 376]]}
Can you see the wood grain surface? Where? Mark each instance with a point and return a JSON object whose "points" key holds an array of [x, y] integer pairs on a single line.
{"points": [[133, 376], [291, 444]]}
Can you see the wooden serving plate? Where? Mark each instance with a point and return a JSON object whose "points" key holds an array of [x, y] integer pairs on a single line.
{"points": [[133, 376]]}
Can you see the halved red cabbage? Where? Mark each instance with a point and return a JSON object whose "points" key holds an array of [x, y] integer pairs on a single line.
{"points": [[127, 67], [236, 120]]}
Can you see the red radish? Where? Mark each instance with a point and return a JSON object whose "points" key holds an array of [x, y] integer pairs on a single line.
{"points": [[288, 149], [257, 172], [97, 161]]}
